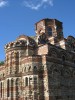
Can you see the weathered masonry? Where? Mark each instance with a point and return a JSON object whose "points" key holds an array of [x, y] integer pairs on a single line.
{"points": [[40, 67]]}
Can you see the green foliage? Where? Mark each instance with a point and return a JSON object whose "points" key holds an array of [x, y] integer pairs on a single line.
{"points": [[1, 63]]}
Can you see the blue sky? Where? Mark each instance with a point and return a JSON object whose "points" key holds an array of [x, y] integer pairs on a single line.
{"points": [[19, 16]]}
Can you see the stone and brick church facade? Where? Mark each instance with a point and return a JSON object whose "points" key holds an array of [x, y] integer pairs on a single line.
{"points": [[40, 67]]}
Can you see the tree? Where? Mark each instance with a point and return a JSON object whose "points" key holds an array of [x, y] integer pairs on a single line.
{"points": [[1, 63]]}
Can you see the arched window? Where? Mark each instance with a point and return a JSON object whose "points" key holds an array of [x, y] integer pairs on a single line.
{"points": [[49, 30], [66, 72], [29, 68], [17, 87], [11, 88], [8, 88], [56, 72], [11, 45], [26, 81], [17, 43], [25, 69], [16, 54]]}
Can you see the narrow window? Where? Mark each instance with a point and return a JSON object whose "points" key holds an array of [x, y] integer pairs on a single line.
{"points": [[25, 69], [17, 61], [1, 89], [11, 88], [17, 82], [29, 68], [49, 30], [8, 88], [63, 58], [26, 81], [26, 98], [35, 80]]}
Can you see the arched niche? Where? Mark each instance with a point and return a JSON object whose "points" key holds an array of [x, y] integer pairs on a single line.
{"points": [[66, 72], [64, 55], [53, 52]]}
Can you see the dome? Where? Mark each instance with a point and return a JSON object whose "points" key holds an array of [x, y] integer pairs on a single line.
{"points": [[21, 41]]}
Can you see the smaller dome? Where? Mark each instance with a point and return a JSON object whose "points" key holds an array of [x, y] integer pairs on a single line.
{"points": [[21, 41], [22, 37]]}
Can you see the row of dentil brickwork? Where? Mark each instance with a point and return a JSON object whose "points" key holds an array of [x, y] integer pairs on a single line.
{"points": [[40, 67]]}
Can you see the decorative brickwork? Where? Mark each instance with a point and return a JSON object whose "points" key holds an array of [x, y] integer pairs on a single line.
{"points": [[41, 67]]}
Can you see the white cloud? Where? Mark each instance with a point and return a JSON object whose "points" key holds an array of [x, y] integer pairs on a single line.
{"points": [[35, 5], [3, 3]]}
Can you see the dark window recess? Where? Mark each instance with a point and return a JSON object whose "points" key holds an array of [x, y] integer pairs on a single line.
{"points": [[26, 98], [74, 61], [17, 87], [26, 81], [55, 70], [25, 69], [1, 89], [42, 39], [74, 50], [35, 68], [8, 88], [63, 58], [30, 78], [35, 80], [49, 30], [29, 68], [12, 87]]}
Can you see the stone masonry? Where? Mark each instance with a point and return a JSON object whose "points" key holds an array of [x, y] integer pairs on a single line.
{"points": [[40, 67]]}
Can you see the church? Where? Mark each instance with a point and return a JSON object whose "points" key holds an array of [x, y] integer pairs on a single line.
{"points": [[40, 67]]}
